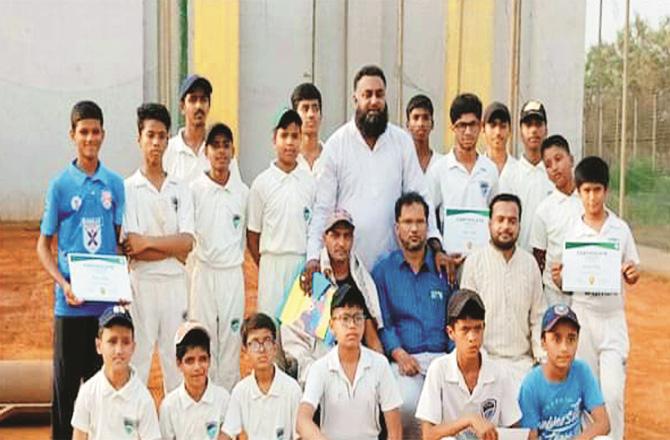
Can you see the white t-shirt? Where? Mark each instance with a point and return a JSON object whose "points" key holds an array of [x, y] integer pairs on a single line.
{"points": [[220, 221], [182, 418], [157, 213], [614, 230], [445, 397], [280, 209], [351, 411], [508, 174], [105, 413], [182, 162], [315, 169], [264, 416], [435, 158], [553, 219]]}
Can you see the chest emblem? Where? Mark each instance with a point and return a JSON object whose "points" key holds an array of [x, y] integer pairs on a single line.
{"points": [[106, 199], [212, 429], [75, 203], [91, 234], [236, 221], [484, 187], [489, 408], [130, 426]]}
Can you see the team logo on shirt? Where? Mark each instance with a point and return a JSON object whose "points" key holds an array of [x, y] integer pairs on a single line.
{"points": [[106, 199], [307, 213], [436, 294], [489, 408], [235, 325], [485, 187], [212, 429], [236, 221], [75, 203], [131, 426], [280, 433], [175, 203], [91, 234]]}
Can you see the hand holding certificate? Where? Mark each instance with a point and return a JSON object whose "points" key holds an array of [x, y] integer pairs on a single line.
{"points": [[100, 277], [465, 229], [591, 266]]}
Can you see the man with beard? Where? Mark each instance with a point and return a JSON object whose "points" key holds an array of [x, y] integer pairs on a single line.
{"points": [[365, 166], [413, 298], [509, 282]]}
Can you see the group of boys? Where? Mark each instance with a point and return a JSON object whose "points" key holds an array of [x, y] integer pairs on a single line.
{"points": [[185, 217]]}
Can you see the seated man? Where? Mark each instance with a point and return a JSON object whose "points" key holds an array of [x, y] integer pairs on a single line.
{"points": [[413, 295], [466, 394]]}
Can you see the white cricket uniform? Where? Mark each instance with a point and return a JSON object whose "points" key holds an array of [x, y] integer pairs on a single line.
{"points": [[280, 210], [445, 397], [452, 186], [367, 182], [507, 175], [183, 163], [315, 169], [532, 185], [351, 411], [603, 338], [182, 418], [515, 303], [104, 413], [553, 218], [160, 288], [217, 283], [264, 416], [435, 158]]}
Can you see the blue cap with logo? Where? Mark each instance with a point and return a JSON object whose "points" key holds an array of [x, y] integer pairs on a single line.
{"points": [[115, 314], [557, 312]]}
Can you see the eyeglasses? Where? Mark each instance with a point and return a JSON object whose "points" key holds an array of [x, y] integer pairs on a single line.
{"points": [[463, 126], [347, 320], [266, 344]]}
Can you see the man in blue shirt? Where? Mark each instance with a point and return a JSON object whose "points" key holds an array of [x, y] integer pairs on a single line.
{"points": [[413, 297], [84, 208]]}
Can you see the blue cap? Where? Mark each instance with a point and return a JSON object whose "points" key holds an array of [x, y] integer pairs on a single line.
{"points": [[190, 82], [115, 315], [555, 313]]}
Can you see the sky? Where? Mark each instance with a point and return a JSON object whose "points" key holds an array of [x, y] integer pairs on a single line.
{"points": [[614, 15]]}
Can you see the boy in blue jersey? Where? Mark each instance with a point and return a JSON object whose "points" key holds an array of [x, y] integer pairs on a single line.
{"points": [[84, 208], [555, 396]]}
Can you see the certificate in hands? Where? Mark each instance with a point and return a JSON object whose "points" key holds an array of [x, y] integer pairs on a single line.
{"points": [[465, 229], [100, 277], [591, 266]]}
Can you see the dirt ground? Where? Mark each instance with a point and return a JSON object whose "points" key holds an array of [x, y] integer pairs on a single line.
{"points": [[26, 315]]}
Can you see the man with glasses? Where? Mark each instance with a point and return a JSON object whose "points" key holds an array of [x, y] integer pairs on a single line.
{"points": [[413, 296]]}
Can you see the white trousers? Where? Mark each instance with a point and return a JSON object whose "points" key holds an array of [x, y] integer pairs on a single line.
{"points": [[217, 299], [410, 390], [604, 346], [158, 308], [275, 274]]}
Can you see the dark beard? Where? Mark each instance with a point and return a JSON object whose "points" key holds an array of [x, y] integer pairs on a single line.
{"points": [[372, 125], [503, 246]]}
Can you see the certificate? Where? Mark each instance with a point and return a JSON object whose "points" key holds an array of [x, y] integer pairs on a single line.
{"points": [[465, 229], [99, 277], [592, 266]]}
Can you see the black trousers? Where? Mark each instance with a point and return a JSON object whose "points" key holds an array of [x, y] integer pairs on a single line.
{"points": [[75, 360]]}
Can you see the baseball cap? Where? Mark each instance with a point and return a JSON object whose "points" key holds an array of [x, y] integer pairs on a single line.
{"points": [[498, 110], [533, 108], [115, 314], [187, 327], [192, 81], [339, 215], [460, 299], [555, 313], [284, 117]]}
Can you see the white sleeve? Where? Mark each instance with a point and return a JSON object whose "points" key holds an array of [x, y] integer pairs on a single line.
{"points": [[130, 224], [325, 197], [164, 422], [81, 416], [629, 249], [469, 275], [510, 410], [413, 179], [225, 401], [429, 408], [495, 187], [232, 424], [255, 205], [433, 182], [315, 385], [537, 309], [186, 215], [538, 230], [149, 429], [389, 390], [245, 216]]}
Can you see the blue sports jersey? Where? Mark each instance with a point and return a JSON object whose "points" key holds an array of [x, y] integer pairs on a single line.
{"points": [[555, 409], [83, 211]]}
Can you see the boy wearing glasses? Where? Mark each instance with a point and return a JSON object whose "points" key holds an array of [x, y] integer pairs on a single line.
{"points": [[351, 383], [263, 405]]}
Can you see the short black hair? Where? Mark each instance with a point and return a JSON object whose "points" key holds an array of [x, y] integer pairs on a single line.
{"points": [[463, 104], [407, 199], [303, 92], [369, 70], [555, 140], [85, 110], [470, 310], [505, 197], [194, 338], [155, 111], [419, 101], [219, 129], [257, 321], [592, 169]]}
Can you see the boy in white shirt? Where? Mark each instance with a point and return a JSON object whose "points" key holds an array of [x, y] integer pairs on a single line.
{"points": [[217, 284], [264, 404], [603, 340], [114, 403], [351, 383], [158, 231], [196, 409], [280, 209], [466, 394], [420, 124]]}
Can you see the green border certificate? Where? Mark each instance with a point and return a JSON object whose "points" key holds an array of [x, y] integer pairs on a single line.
{"points": [[591, 266], [465, 229], [100, 277]]}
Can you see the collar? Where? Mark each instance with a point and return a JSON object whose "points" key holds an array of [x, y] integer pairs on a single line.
{"points": [[79, 176], [281, 173], [428, 261], [454, 374], [138, 180], [127, 391], [275, 389], [562, 197], [452, 162], [228, 187], [611, 222], [498, 254], [527, 164], [187, 401], [183, 148], [364, 362]]}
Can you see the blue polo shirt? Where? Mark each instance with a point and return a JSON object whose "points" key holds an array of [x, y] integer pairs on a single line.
{"points": [[83, 211], [414, 306]]}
